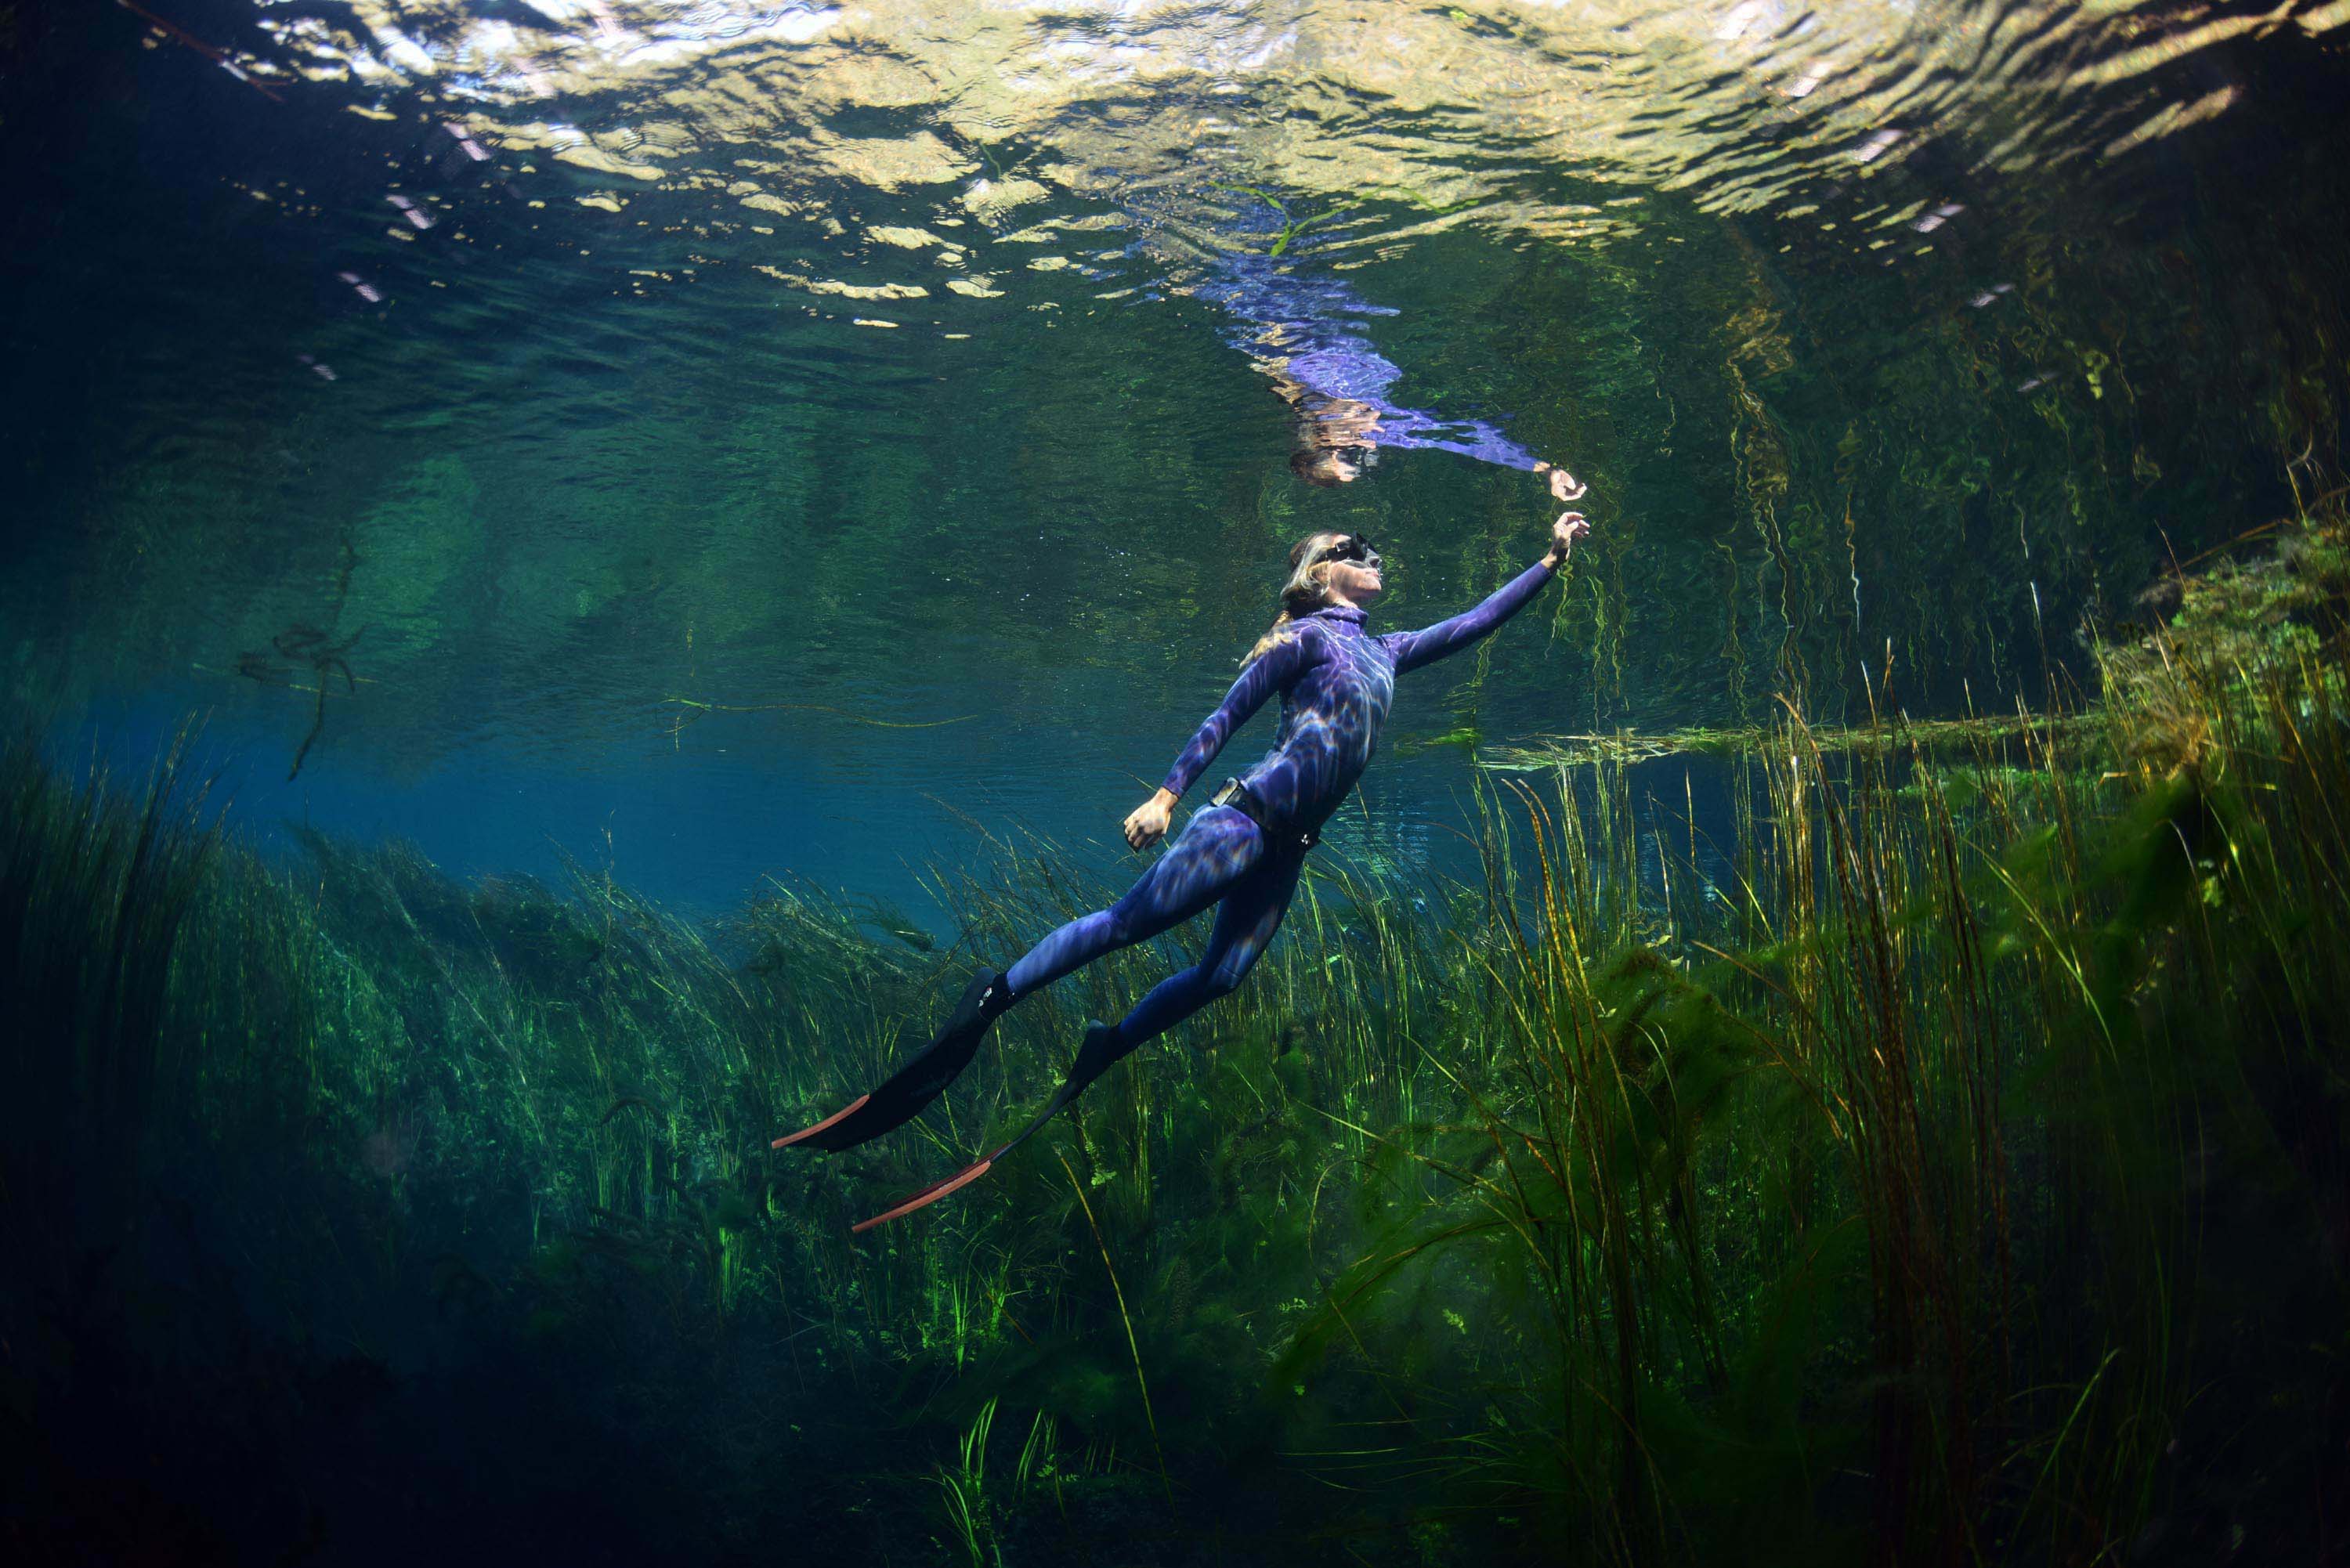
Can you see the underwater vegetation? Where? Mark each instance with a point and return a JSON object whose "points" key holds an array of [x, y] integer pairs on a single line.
{"points": [[1949, 1167]]}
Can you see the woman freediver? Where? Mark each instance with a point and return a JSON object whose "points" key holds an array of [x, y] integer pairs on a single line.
{"points": [[1245, 848]]}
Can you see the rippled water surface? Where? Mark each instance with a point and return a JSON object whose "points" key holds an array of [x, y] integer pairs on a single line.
{"points": [[774, 435]]}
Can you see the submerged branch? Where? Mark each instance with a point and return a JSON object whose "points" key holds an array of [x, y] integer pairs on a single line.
{"points": [[1542, 752]]}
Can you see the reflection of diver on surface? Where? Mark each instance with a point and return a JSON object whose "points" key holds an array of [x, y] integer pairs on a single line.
{"points": [[1335, 384], [1306, 329], [1245, 849], [1300, 329], [1336, 437]]}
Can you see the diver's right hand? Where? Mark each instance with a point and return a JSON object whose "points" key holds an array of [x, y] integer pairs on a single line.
{"points": [[1570, 526], [1147, 823]]}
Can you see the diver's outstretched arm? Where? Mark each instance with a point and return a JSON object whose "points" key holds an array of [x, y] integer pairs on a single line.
{"points": [[1414, 648]]}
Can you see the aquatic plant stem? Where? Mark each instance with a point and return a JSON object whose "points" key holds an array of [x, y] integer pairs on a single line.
{"points": [[699, 709], [1132, 1349]]}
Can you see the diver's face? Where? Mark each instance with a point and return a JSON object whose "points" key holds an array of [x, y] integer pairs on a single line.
{"points": [[1358, 582]]}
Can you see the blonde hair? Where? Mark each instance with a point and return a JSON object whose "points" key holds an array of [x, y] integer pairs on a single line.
{"points": [[1308, 587], [1329, 437]]}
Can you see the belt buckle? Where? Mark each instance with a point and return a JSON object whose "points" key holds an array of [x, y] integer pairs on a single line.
{"points": [[1234, 794]]}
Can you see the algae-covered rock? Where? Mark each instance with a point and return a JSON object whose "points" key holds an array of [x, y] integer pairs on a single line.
{"points": [[2212, 635], [2244, 614]]}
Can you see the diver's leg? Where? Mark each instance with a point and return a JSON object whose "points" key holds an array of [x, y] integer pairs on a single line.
{"points": [[1252, 913], [1217, 847]]}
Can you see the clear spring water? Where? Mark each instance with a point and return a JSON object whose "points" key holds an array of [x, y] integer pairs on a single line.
{"points": [[721, 443], [765, 434]]}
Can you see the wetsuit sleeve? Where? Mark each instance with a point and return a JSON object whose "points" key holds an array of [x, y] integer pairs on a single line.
{"points": [[1414, 648], [1280, 664], [1477, 439]]}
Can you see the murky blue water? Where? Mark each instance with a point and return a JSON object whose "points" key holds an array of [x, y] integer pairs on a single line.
{"points": [[748, 440]]}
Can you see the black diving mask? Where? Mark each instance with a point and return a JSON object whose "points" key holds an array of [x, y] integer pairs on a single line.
{"points": [[1353, 547]]}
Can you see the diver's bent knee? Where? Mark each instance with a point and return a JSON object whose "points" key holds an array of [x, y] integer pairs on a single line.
{"points": [[1222, 982], [1123, 928]]}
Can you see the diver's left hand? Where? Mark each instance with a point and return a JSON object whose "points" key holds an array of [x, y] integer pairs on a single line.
{"points": [[1147, 824]]}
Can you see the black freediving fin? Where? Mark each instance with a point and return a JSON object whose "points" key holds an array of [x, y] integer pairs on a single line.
{"points": [[1103, 1047], [920, 1080]]}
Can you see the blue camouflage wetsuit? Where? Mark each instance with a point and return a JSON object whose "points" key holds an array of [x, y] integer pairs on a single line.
{"points": [[1337, 681]]}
